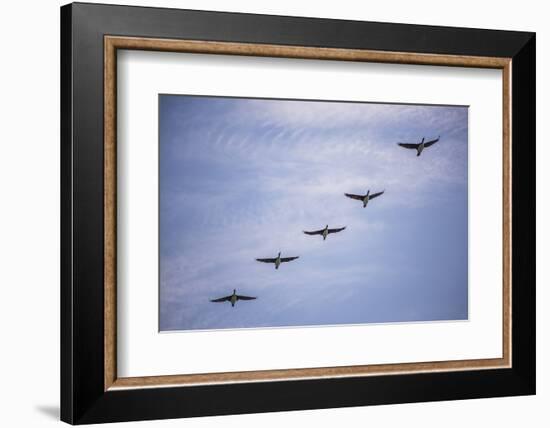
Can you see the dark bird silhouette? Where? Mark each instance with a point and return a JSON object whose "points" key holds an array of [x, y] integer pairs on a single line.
{"points": [[232, 298], [364, 198], [420, 146], [278, 260], [325, 232]]}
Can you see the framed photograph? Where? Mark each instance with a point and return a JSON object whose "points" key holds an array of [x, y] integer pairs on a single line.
{"points": [[267, 213]]}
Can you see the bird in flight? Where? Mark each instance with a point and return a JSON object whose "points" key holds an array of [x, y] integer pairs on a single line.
{"points": [[278, 260], [420, 146], [325, 232], [233, 298], [364, 198]]}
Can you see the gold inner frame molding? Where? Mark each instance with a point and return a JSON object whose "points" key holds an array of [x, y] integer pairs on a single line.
{"points": [[113, 43]]}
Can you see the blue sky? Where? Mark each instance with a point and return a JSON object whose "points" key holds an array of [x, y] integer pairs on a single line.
{"points": [[242, 178]]}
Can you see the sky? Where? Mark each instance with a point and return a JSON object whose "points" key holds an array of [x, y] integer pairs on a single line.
{"points": [[242, 178]]}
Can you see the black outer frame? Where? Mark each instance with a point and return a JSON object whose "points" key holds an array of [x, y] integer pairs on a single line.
{"points": [[83, 399]]}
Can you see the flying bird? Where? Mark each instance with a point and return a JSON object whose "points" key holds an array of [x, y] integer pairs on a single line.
{"points": [[233, 298], [364, 198], [420, 146], [325, 232], [278, 260]]}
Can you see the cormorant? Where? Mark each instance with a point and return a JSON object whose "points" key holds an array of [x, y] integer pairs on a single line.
{"points": [[232, 298], [364, 198], [420, 146], [278, 260], [324, 232]]}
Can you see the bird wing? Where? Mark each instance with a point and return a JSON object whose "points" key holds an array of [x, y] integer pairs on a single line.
{"points": [[315, 232], [221, 299], [358, 197], [374, 195], [266, 260], [429, 143], [408, 145], [245, 297], [288, 259], [336, 230]]}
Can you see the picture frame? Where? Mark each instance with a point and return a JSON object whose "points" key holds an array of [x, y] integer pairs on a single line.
{"points": [[91, 391]]}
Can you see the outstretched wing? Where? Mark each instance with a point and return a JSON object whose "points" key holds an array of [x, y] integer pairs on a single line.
{"points": [[266, 260], [221, 299], [336, 230], [245, 297], [429, 143], [408, 145], [358, 197], [315, 232], [374, 195], [288, 259]]}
